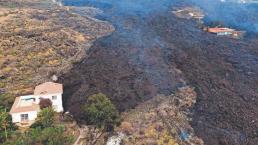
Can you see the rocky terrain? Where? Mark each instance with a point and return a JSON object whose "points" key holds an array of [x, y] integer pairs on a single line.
{"points": [[154, 52], [225, 76], [40, 39], [151, 52], [161, 120]]}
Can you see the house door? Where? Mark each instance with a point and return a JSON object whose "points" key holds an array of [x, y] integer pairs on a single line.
{"points": [[24, 117]]}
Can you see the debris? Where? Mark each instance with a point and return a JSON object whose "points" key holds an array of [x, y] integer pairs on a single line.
{"points": [[226, 32], [189, 13], [184, 136], [54, 78], [115, 140]]}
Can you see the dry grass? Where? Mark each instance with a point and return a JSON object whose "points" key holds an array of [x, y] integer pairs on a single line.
{"points": [[37, 42], [161, 120]]}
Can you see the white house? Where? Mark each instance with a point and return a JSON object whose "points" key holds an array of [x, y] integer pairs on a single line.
{"points": [[25, 108]]}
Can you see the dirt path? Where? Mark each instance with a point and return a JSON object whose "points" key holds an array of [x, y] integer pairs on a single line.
{"points": [[81, 136]]}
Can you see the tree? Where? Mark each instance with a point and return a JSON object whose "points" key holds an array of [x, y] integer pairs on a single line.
{"points": [[5, 124], [45, 103], [4, 121], [100, 111], [56, 136], [45, 118]]}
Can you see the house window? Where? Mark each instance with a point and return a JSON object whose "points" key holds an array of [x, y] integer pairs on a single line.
{"points": [[24, 117], [54, 97]]}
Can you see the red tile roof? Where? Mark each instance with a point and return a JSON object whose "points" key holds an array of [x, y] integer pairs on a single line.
{"points": [[219, 30], [48, 88], [18, 107]]}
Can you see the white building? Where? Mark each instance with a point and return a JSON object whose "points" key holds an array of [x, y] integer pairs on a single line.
{"points": [[25, 108]]}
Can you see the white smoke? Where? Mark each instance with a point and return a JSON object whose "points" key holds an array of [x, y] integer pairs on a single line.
{"points": [[240, 1], [57, 3]]}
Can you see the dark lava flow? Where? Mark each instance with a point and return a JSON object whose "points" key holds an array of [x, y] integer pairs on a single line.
{"points": [[130, 64], [154, 52]]}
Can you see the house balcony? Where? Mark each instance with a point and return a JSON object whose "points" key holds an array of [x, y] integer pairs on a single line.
{"points": [[25, 123]]}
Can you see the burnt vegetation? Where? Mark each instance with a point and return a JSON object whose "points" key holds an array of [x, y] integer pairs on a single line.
{"points": [[168, 52]]}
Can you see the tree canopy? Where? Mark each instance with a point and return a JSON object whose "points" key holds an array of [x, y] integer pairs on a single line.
{"points": [[6, 125], [45, 103], [48, 136], [100, 111], [45, 118]]}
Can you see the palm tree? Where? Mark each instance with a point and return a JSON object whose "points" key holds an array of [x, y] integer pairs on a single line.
{"points": [[4, 121]]}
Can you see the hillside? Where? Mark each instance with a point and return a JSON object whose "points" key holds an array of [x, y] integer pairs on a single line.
{"points": [[161, 120], [39, 39], [154, 52], [172, 82]]}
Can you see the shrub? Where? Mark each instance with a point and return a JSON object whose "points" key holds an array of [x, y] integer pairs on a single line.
{"points": [[45, 118], [38, 136], [127, 127], [48, 136], [6, 101], [45, 103]]}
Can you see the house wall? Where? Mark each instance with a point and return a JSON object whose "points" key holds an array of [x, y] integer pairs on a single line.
{"points": [[224, 33], [57, 104], [16, 117]]}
